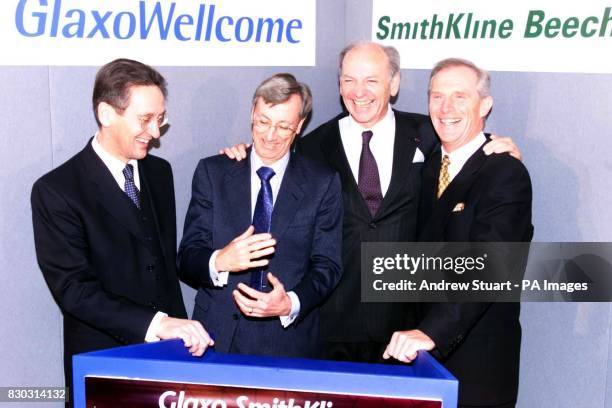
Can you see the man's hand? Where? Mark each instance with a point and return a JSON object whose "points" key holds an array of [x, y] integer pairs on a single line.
{"points": [[237, 152], [500, 144], [258, 304], [190, 331], [238, 255], [404, 345]]}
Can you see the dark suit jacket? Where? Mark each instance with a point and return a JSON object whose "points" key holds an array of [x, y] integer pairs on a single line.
{"points": [[306, 223], [344, 317], [109, 266], [478, 342]]}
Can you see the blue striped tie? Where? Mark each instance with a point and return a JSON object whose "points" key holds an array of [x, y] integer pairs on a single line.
{"points": [[262, 218], [130, 188]]}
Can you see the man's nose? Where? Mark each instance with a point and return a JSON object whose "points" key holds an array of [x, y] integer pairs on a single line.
{"points": [[154, 129], [446, 105], [271, 134], [359, 89]]}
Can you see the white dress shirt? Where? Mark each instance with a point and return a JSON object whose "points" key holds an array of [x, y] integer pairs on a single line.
{"points": [[381, 145], [220, 278], [116, 166], [461, 155]]}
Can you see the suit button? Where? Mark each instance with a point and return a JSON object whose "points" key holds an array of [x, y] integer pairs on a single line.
{"points": [[144, 218], [150, 268], [372, 225], [149, 238], [152, 305], [235, 316]]}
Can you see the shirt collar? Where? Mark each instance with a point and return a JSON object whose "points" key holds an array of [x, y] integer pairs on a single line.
{"points": [[382, 127], [114, 165], [278, 166], [461, 155]]}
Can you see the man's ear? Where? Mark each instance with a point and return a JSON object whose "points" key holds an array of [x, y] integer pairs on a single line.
{"points": [[485, 106], [395, 84], [298, 129], [106, 114]]}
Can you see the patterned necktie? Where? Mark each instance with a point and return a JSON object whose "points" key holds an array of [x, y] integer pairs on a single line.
{"points": [[130, 188], [444, 178], [262, 218], [369, 181]]}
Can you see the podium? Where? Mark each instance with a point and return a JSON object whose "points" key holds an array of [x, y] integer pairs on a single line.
{"points": [[164, 374]]}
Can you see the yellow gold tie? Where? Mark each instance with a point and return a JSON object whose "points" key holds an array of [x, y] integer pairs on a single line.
{"points": [[444, 179]]}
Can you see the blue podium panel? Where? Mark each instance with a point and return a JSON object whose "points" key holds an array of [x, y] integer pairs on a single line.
{"points": [[164, 374]]}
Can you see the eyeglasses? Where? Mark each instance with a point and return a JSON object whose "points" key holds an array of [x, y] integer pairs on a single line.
{"points": [[147, 121], [282, 129]]}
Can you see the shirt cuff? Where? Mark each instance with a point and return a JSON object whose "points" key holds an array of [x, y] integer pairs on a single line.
{"points": [[150, 337], [295, 310], [218, 279]]}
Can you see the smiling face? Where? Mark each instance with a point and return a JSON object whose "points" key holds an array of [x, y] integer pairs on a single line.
{"points": [[456, 109], [366, 84], [272, 144], [126, 135]]}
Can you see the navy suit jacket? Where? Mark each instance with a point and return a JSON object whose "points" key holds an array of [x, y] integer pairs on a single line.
{"points": [[306, 223], [478, 342], [109, 266]]}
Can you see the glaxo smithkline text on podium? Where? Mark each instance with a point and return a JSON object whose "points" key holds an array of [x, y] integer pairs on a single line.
{"points": [[164, 374]]}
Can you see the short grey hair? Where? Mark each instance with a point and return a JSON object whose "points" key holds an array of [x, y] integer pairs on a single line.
{"points": [[279, 88], [484, 79], [392, 54]]}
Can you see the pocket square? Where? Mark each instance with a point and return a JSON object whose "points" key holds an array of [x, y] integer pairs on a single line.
{"points": [[418, 156], [459, 207]]}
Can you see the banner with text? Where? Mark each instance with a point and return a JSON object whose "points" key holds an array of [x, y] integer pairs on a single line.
{"points": [[521, 35], [159, 32], [108, 392]]}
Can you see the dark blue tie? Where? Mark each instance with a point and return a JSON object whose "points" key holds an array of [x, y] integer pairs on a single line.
{"points": [[130, 188], [262, 218]]}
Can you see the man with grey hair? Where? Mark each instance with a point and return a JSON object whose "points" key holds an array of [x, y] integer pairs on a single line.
{"points": [[379, 153], [256, 227], [469, 197]]}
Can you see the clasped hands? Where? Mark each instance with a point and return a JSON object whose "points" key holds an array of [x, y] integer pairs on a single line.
{"points": [[245, 252]]}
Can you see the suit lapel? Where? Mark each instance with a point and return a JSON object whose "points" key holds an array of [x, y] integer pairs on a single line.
{"points": [[236, 190], [456, 190], [404, 147], [289, 197], [335, 154], [146, 193], [109, 195]]}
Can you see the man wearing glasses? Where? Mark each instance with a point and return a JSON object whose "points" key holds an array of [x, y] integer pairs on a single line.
{"points": [[105, 225], [262, 237]]}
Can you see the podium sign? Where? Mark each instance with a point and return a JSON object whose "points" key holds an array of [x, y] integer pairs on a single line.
{"points": [[165, 375], [104, 392]]}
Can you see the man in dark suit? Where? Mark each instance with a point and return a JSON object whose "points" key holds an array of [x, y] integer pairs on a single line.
{"points": [[296, 212], [105, 228], [380, 198], [470, 197]]}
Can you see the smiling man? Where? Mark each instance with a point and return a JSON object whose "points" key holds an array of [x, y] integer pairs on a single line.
{"points": [[379, 154], [105, 227], [469, 197], [262, 236]]}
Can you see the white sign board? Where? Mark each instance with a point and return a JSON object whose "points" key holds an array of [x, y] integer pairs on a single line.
{"points": [[158, 32], [518, 35]]}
